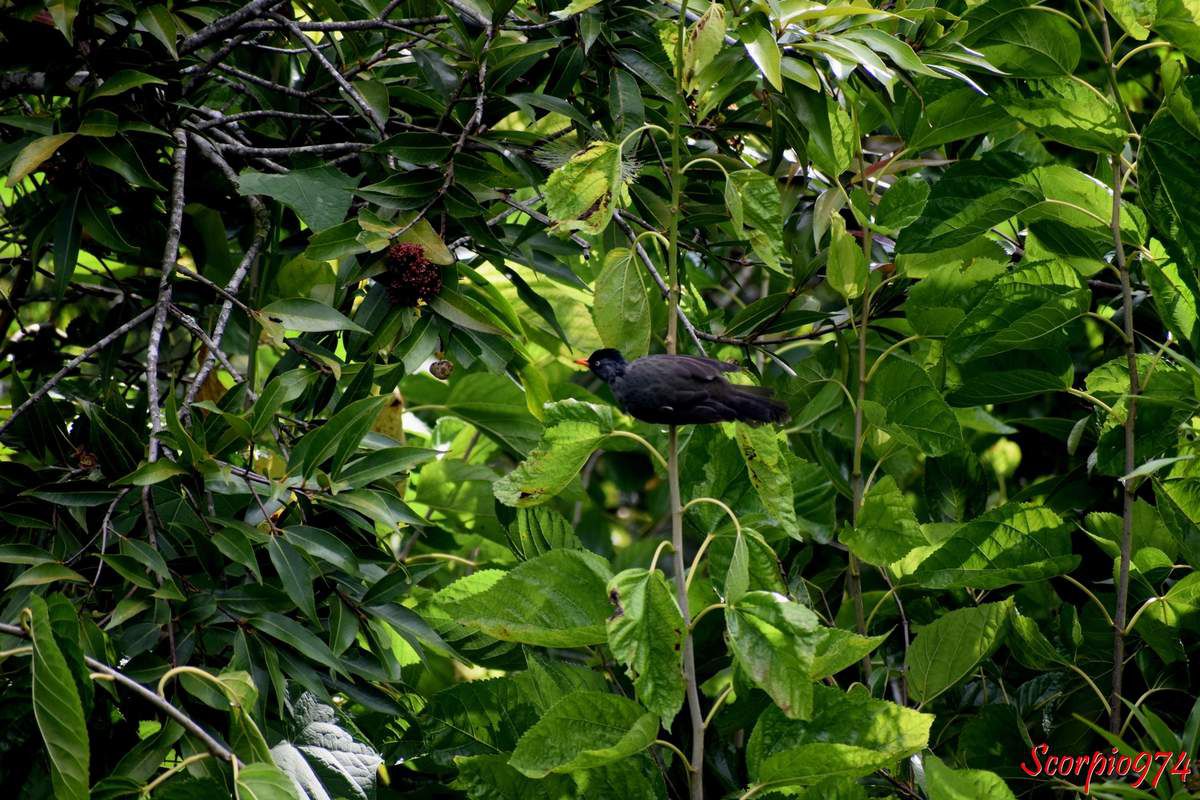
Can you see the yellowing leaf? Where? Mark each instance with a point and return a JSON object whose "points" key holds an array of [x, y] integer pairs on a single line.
{"points": [[580, 195], [34, 154]]}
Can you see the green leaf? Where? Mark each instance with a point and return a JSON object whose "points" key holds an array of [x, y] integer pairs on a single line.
{"points": [[539, 530], [849, 734], [774, 641], [970, 198], [320, 196], [151, 473], [1015, 543], [57, 708], [309, 316], [33, 155], [949, 648], [914, 410], [265, 782], [296, 635], [946, 112], [326, 754], [838, 649], [573, 431], [763, 452], [558, 599], [887, 529], [1067, 110], [496, 406], [760, 207], [1135, 16], [295, 575], [902, 204], [122, 81], [337, 438], [1168, 175], [620, 306], [41, 574], [582, 194], [1022, 39], [1022, 310], [940, 301], [416, 147], [645, 633], [584, 730], [764, 50], [944, 783], [703, 41], [322, 546], [159, 23], [336, 242]]}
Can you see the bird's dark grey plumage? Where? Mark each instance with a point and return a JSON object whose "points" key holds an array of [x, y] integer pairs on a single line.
{"points": [[682, 390]]}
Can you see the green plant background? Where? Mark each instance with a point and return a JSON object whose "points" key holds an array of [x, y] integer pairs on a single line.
{"points": [[273, 531]]}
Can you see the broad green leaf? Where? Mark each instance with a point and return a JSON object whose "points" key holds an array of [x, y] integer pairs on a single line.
{"points": [[737, 576], [702, 42], [949, 648], [1066, 110], [759, 207], [574, 7], [849, 734], [489, 777], [310, 316], [336, 242], [1178, 21], [582, 194], [496, 406], [573, 431], [416, 147], [33, 155], [944, 783], [913, 408], [1174, 297], [1021, 39], [969, 198], [320, 196], [159, 23], [621, 306], [557, 599], [324, 546], [764, 50], [769, 474], [324, 755], [261, 781], [887, 529], [846, 269], [645, 632], [1015, 543], [947, 112], [774, 640], [584, 730], [1168, 176], [1030, 646], [57, 708], [902, 204], [296, 635], [940, 301], [839, 649], [1022, 310], [1135, 16]]}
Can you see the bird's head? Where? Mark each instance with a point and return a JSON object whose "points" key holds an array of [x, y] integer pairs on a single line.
{"points": [[605, 363]]}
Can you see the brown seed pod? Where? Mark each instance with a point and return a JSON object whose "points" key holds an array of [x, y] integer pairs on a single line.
{"points": [[441, 369]]}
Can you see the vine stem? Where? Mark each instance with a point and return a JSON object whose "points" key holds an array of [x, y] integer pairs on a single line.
{"points": [[696, 763], [1128, 490]]}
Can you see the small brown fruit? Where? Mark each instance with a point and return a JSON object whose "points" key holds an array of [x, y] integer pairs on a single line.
{"points": [[441, 369]]}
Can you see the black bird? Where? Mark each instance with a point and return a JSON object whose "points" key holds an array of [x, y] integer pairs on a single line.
{"points": [[681, 390]]}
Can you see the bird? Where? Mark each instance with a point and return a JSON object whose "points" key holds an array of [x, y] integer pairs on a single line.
{"points": [[682, 390]]}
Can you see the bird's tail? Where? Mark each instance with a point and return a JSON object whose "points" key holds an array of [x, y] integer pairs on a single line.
{"points": [[756, 405]]}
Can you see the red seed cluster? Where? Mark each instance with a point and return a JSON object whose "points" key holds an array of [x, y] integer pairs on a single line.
{"points": [[410, 277]]}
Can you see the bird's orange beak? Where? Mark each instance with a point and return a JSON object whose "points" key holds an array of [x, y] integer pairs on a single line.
{"points": [[582, 362]]}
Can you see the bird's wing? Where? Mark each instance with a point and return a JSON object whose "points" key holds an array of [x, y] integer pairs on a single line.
{"points": [[698, 367]]}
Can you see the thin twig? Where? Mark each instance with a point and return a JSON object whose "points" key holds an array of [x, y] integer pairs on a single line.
{"points": [[209, 32]]}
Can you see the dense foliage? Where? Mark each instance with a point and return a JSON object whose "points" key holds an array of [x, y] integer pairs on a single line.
{"points": [[303, 496]]}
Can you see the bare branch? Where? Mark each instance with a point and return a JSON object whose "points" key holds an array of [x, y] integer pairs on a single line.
{"points": [[170, 256], [256, 8]]}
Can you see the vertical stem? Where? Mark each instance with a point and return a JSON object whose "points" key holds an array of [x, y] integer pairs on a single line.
{"points": [[854, 569], [689, 657], [1122, 607]]}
